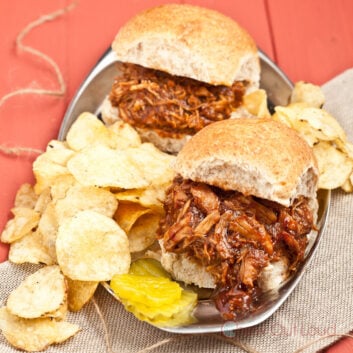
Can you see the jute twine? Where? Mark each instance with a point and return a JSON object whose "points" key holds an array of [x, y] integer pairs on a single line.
{"points": [[60, 92], [18, 151]]}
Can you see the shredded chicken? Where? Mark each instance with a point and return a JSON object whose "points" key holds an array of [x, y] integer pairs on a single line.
{"points": [[172, 106], [233, 236]]}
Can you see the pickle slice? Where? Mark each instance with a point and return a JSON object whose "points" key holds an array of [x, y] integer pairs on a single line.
{"points": [[149, 290], [165, 311], [177, 314], [148, 267]]}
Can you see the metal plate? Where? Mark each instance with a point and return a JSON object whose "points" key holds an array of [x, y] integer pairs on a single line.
{"points": [[89, 98]]}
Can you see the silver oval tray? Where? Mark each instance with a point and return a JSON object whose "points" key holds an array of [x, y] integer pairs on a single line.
{"points": [[90, 96]]}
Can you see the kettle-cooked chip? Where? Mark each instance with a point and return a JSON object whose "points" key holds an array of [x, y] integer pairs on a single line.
{"points": [[51, 164], [347, 186], [154, 165], [79, 293], [79, 198], [151, 197], [124, 135], [92, 247], [41, 294], [30, 249], [334, 166], [25, 219], [34, 335], [256, 103], [144, 232], [48, 228], [320, 120], [308, 93], [61, 185], [102, 166], [44, 199], [128, 213], [25, 196], [57, 145], [86, 131], [132, 195]]}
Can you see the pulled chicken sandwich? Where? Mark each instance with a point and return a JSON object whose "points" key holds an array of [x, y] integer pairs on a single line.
{"points": [[241, 210], [180, 68]]}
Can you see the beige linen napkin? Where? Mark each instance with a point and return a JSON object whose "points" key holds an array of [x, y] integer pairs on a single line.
{"points": [[321, 304]]}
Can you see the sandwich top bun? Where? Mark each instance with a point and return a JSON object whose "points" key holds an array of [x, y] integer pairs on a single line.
{"points": [[255, 156], [189, 41]]}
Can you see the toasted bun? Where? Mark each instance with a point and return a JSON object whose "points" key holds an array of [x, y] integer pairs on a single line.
{"points": [[189, 41], [254, 156]]}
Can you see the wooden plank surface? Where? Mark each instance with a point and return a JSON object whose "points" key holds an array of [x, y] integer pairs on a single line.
{"points": [[313, 40]]}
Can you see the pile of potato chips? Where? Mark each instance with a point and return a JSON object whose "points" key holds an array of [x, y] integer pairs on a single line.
{"points": [[322, 132], [97, 199]]}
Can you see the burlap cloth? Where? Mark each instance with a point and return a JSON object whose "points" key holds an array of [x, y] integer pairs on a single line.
{"points": [[321, 305]]}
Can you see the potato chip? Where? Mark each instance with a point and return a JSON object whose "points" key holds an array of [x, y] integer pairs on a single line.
{"points": [[334, 166], [154, 196], [256, 103], [25, 196], [102, 166], [57, 152], [40, 295], [57, 145], [308, 133], [25, 219], [124, 135], [345, 147], [144, 232], [51, 164], [128, 213], [79, 293], [92, 247], [154, 165], [86, 131], [324, 125], [30, 249], [34, 334], [132, 195], [46, 171], [48, 228], [322, 121], [151, 197], [79, 198], [307, 93], [347, 186], [61, 185], [43, 200]]}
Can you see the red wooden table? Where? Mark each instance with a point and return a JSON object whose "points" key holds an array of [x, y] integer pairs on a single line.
{"points": [[310, 40]]}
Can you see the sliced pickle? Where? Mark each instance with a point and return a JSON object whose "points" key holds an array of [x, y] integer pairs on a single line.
{"points": [[187, 299], [148, 290], [149, 293], [148, 267], [176, 314]]}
